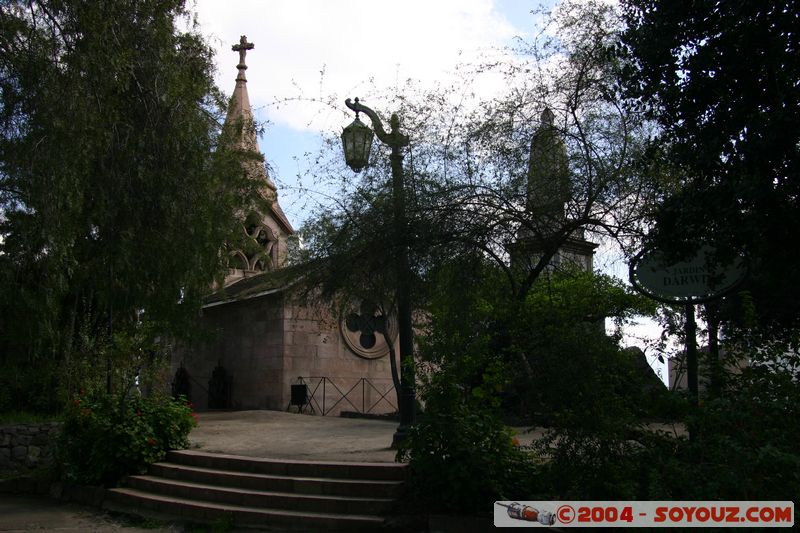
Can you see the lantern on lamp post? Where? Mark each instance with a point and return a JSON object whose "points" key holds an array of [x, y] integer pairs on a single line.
{"points": [[357, 142]]}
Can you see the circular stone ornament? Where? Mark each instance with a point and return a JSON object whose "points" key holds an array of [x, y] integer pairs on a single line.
{"points": [[361, 328]]}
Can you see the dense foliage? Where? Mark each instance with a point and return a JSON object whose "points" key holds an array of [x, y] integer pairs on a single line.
{"points": [[460, 453], [473, 385], [721, 80], [106, 437], [558, 331], [743, 448], [117, 188], [614, 431]]}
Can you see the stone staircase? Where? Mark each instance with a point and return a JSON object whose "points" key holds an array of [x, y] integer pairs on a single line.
{"points": [[265, 493]]}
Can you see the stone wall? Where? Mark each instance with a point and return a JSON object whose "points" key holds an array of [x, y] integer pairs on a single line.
{"points": [[266, 343], [246, 339], [27, 446], [314, 349]]}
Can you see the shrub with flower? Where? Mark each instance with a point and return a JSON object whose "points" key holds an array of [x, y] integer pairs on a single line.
{"points": [[106, 437]]}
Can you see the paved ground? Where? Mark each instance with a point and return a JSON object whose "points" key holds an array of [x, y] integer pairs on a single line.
{"points": [[279, 434], [299, 436], [29, 513]]}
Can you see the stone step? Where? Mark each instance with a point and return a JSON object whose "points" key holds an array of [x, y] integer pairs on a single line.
{"points": [[278, 483], [192, 510], [261, 499], [288, 467]]}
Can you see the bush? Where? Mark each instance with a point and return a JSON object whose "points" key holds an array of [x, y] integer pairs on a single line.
{"points": [[743, 447], [745, 440], [461, 456], [461, 462], [588, 464], [106, 437]]}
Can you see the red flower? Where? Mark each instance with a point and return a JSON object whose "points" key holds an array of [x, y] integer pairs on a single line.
{"points": [[150, 441], [138, 413], [76, 402]]}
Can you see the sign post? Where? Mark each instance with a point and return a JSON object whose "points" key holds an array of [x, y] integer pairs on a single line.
{"points": [[691, 353], [697, 279]]}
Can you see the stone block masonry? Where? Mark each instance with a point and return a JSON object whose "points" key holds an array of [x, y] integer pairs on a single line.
{"points": [[27, 446]]}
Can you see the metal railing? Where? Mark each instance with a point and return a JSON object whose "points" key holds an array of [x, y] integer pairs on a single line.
{"points": [[319, 387]]}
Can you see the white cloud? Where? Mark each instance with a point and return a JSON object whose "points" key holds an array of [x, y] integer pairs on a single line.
{"points": [[352, 41]]}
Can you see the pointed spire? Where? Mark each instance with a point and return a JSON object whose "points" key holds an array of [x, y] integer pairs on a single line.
{"points": [[240, 111], [262, 243]]}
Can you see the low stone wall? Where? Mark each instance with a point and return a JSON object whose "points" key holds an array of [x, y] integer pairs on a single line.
{"points": [[27, 446]]}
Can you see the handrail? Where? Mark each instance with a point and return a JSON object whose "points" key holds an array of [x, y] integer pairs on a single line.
{"points": [[322, 381]]}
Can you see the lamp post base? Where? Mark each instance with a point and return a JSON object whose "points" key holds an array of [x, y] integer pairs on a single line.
{"points": [[399, 436]]}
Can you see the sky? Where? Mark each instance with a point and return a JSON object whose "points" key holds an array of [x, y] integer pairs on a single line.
{"points": [[310, 49]]}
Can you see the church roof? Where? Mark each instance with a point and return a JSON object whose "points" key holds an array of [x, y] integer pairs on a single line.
{"points": [[255, 286], [280, 216]]}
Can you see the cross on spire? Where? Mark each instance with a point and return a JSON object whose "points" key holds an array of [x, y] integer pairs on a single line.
{"points": [[242, 48]]}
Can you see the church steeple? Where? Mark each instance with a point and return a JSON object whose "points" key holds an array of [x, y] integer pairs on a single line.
{"points": [[240, 112], [263, 244]]}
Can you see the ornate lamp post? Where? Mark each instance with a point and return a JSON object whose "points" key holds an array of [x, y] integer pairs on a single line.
{"points": [[357, 140]]}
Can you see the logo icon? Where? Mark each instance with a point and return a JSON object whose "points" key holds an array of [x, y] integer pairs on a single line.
{"points": [[527, 513]]}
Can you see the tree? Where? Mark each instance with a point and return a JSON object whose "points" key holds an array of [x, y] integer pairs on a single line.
{"points": [[514, 177], [721, 80], [559, 329], [117, 188]]}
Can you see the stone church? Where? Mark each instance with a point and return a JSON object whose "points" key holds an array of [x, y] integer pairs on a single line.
{"points": [[261, 341], [266, 350]]}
